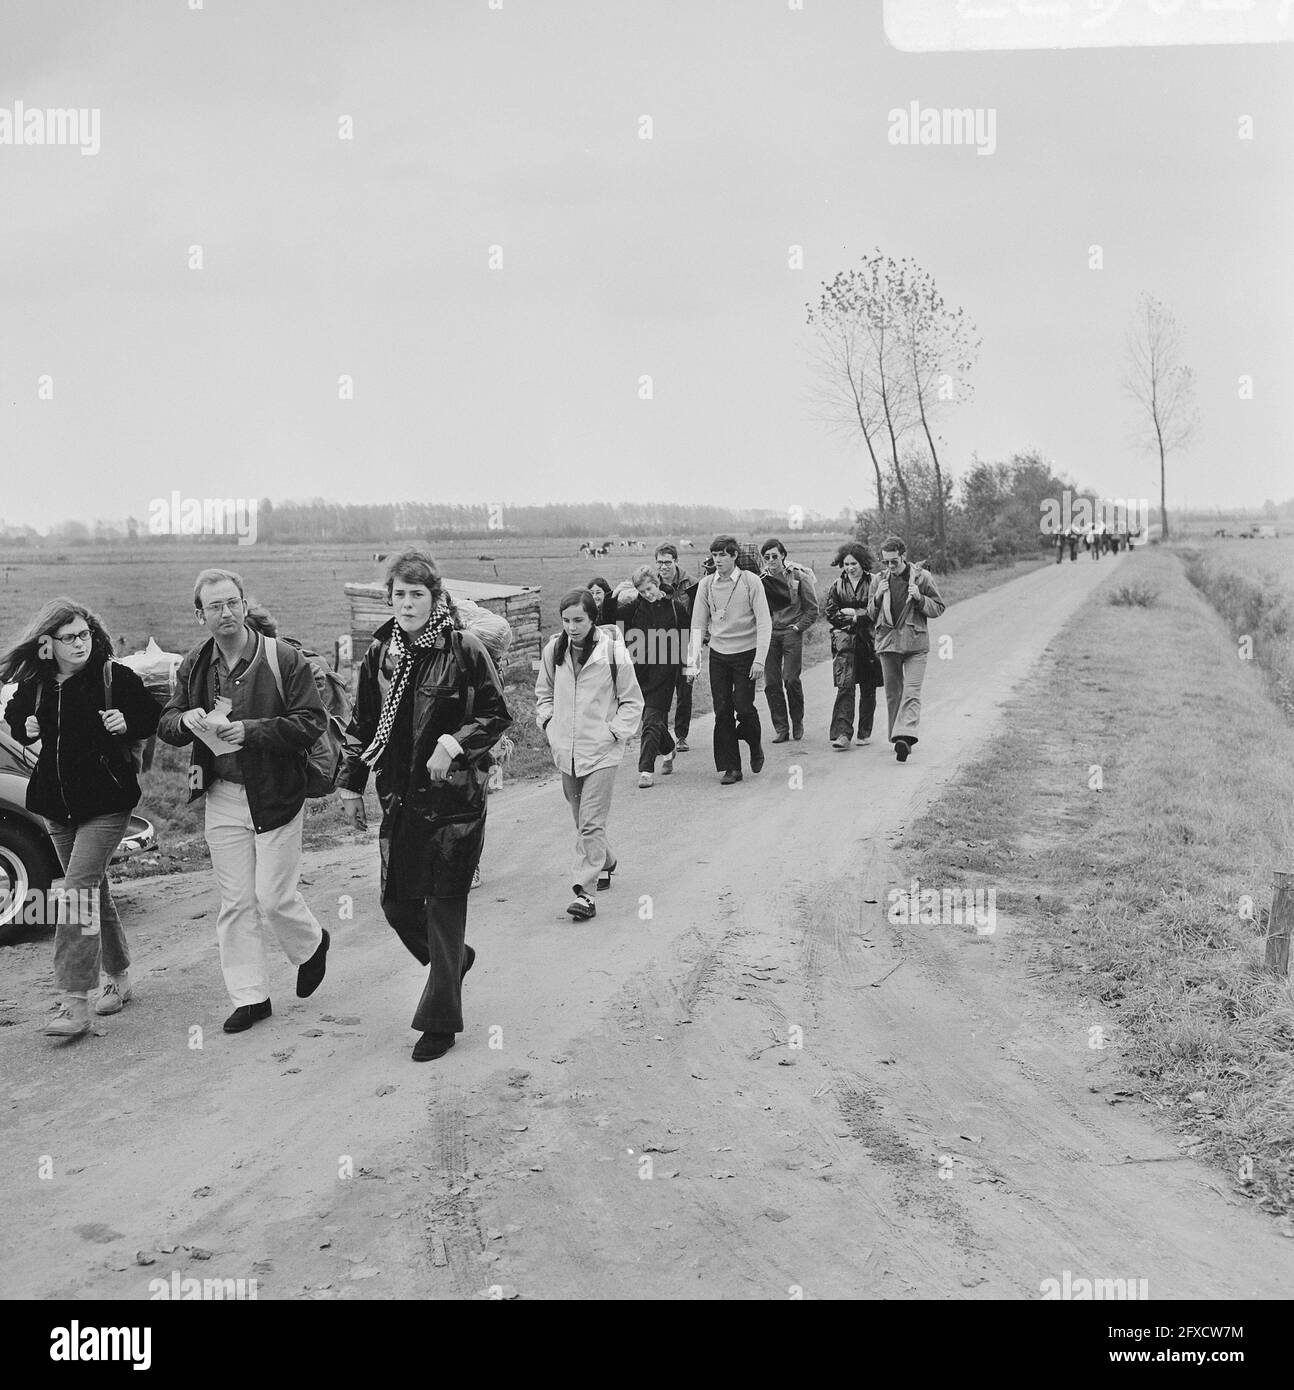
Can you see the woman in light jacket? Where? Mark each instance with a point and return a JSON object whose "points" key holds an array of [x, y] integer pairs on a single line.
{"points": [[588, 704]]}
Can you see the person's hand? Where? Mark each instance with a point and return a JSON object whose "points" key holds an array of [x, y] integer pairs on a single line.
{"points": [[352, 805], [32, 726], [114, 721], [439, 764], [756, 670], [234, 732], [194, 719], [689, 674]]}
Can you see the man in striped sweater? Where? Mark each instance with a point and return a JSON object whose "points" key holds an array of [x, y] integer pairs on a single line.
{"points": [[731, 613]]}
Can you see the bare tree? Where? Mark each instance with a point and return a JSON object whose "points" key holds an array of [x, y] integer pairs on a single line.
{"points": [[1162, 385], [940, 348], [864, 381]]}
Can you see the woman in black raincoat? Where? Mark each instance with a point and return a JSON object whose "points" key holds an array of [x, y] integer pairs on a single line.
{"points": [[428, 710], [854, 664]]}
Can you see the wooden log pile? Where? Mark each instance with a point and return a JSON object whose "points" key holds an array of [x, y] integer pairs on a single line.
{"points": [[520, 606]]}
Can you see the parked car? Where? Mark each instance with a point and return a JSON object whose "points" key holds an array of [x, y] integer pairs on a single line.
{"points": [[28, 862]]}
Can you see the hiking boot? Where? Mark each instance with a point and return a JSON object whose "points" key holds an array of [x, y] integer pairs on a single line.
{"points": [[432, 1045], [781, 736], [901, 749], [245, 1015], [729, 778], [115, 994], [582, 907], [667, 764], [757, 759], [797, 730], [72, 1019], [680, 745], [604, 875], [840, 743], [645, 779], [864, 740]]}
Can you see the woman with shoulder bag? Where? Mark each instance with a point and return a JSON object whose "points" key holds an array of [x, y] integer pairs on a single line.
{"points": [[853, 653], [86, 710]]}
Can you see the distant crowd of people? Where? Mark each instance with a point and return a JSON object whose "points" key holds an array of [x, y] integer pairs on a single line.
{"points": [[1097, 540], [428, 714]]}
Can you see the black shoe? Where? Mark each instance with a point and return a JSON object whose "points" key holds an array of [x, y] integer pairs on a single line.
{"points": [[245, 1015], [781, 736], [901, 749], [729, 778], [582, 907], [604, 875], [432, 1045], [797, 730], [757, 759], [310, 975], [680, 744], [469, 960]]}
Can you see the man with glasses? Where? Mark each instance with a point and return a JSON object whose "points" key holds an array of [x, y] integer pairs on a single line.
{"points": [[731, 612], [255, 789], [902, 597]]}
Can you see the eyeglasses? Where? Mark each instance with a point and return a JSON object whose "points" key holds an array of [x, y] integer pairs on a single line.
{"points": [[75, 638], [229, 605]]}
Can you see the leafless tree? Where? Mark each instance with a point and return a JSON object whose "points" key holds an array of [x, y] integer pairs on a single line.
{"points": [[940, 348], [863, 382], [891, 352], [1162, 385]]}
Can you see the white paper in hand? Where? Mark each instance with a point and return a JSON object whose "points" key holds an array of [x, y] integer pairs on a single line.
{"points": [[217, 719]]}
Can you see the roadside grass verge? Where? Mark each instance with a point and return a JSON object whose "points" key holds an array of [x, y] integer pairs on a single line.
{"points": [[179, 826], [1130, 817], [1259, 611]]}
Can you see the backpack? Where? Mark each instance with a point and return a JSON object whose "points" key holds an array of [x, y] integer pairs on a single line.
{"points": [[776, 591], [490, 629], [611, 661], [323, 762]]}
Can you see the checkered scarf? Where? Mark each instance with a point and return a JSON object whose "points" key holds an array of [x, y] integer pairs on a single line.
{"points": [[401, 657]]}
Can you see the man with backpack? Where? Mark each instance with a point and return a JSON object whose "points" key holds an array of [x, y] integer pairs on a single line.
{"points": [[731, 614], [250, 763], [784, 691]]}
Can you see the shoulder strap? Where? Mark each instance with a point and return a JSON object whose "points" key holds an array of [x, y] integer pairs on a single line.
{"points": [[469, 695], [107, 684], [271, 650]]}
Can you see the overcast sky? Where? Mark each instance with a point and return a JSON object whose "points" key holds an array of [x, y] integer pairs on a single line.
{"points": [[622, 257]]}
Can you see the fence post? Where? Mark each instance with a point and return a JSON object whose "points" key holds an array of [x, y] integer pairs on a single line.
{"points": [[1279, 923]]}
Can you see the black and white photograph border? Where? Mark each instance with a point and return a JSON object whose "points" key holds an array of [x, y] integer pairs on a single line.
{"points": [[647, 653]]}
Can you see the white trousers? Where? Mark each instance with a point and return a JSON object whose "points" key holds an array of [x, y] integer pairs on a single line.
{"points": [[257, 877]]}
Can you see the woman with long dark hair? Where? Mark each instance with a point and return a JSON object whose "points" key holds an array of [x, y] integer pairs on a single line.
{"points": [[86, 710], [588, 704], [428, 709], [854, 667], [650, 620], [605, 602]]}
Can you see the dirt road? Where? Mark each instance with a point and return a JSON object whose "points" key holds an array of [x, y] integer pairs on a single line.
{"points": [[628, 1114]]}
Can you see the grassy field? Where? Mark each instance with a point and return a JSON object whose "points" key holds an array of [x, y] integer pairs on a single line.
{"points": [[1148, 895], [147, 591]]}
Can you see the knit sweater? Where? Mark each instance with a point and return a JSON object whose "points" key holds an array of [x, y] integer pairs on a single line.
{"points": [[733, 614]]}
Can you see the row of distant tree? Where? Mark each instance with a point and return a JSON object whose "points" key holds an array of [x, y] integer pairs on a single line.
{"points": [[318, 521]]}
